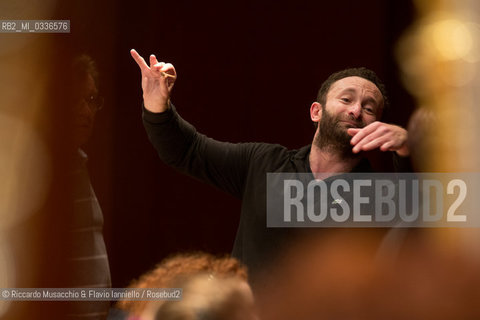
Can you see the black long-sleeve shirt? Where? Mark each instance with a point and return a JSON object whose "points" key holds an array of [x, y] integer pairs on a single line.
{"points": [[239, 169]]}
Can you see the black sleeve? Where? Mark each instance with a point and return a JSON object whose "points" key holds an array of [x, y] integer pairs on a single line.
{"points": [[224, 165]]}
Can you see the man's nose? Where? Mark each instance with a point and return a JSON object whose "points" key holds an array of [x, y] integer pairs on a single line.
{"points": [[84, 108], [355, 110]]}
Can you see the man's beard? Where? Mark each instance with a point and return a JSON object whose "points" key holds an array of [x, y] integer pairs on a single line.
{"points": [[332, 137]]}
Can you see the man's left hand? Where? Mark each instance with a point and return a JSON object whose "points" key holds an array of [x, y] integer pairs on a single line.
{"points": [[387, 137]]}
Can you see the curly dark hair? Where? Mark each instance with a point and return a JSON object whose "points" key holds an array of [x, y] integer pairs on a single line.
{"points": [[361, 72], [352, 72]]}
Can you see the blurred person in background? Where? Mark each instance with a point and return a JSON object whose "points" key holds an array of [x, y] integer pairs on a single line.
{"points": [[61, 244], [87, 258]]}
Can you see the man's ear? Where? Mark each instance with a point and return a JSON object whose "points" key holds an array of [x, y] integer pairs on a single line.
{"points": [[316, 112]]}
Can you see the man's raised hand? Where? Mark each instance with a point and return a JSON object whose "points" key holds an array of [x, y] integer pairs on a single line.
{"points": [[157, 82], [386, 137]]}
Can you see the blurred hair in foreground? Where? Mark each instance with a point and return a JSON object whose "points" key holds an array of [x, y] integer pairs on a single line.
{"points": [[213, 287]]}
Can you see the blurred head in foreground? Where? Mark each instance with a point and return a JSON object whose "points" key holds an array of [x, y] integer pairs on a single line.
{"points": [[207, 297], [213, 288]]}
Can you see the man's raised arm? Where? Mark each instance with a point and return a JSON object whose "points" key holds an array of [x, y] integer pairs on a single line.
{"points": [[177, 142]]}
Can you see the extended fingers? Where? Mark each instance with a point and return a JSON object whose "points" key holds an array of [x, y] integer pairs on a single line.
{"points": [[387, 146], [165, 69], [138, 59], [153, 60], [384, 136], [370, 145], [362, 133], [353, 131], [369, 142]]}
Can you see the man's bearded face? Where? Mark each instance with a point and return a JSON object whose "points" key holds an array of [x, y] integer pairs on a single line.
{"points": [[333, 134]]}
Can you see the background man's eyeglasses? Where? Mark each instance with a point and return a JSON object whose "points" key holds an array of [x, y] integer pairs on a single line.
{"points": [[94, 102]]}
